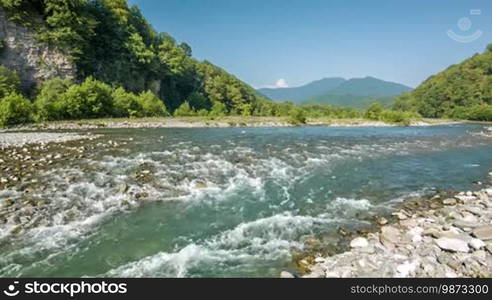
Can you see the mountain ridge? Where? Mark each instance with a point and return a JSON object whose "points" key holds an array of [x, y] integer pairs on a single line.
{"points": [[337, 88]]}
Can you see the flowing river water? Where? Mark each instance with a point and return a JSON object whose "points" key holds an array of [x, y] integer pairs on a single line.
{"points": [[231, 202]]}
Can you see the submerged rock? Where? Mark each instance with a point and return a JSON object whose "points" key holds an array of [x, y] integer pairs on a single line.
{"points": [[123, 188]]}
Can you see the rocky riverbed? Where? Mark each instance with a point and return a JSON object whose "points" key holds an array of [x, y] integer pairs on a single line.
{"points": [[448, 236], [24, 154]]}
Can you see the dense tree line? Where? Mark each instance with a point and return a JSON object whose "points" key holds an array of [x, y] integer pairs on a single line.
{"points": [[113, 43], [463, 91]]}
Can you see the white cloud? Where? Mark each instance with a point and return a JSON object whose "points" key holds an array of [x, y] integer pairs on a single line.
{"points": [[281, 83]]}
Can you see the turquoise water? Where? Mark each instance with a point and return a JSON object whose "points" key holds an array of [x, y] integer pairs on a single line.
{"points": [[232, 202]]}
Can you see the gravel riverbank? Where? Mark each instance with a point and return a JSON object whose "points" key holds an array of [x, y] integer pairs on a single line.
{"points": [[440, 237], [19, 139], [200, 122]]}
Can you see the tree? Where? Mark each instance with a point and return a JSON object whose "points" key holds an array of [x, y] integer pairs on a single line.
{"points": [[14, 109], [69, 25], [91, 99], [374, 111], [297, 117], [218, 110], [126, 104], [198, 101], [9, 81], [151, 105], [489, 48], [49, 104], [184, 111], [467, 84]]}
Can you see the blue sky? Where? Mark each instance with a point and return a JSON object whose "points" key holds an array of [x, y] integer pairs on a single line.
{"points": [[266, 41]]}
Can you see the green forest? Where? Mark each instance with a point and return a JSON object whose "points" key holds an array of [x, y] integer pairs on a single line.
{"points": [[127, 69], [463, 91]]}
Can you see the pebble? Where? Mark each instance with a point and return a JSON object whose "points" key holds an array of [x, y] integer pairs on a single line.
{"points": [[382, 221], [359, 242], [452, 244], [389, 236], [286, 275], [449, 201], [483, 232], [476, 244]]}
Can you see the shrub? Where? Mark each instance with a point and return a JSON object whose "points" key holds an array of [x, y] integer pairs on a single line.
{"points": [[218, 110], [202, 113], [198, 101], [476, 113], [14, 109], [126, 104], [184, 110], [481, 113], [91, 99], [398, 117], [297, 117], [49, 104], [151, 106], [374, 111], [9, 81]]}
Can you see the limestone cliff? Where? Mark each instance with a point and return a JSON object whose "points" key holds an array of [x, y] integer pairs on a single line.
{"points": [[33, 61]]}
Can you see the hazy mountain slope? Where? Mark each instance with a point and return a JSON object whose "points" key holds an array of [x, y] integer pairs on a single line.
{"points": [[362, 92], [369, 86], [355, 92], [302, 93]]}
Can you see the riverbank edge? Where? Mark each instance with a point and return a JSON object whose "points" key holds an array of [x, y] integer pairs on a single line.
{"points": [[223, 122], [440, 236]]}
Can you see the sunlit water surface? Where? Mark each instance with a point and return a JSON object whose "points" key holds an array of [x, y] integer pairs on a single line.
{"points": [[232, 202]]}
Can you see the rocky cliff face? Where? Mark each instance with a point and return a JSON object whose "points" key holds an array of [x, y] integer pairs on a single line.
{"points": [[34, 62]]}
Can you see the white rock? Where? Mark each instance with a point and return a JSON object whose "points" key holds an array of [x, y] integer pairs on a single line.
{"points": [[359, 242], [319, 260], [285, 274], [452, 244], [476, 244], [489, 192], [450, 274], [400, 215], [406, 269], [449, 201], [483, 232]]}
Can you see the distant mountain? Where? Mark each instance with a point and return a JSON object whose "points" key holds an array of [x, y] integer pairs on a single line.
{"points": [[302, 93], [369, 86], [361, 93], [354, 101], [355, 92]]}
